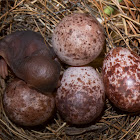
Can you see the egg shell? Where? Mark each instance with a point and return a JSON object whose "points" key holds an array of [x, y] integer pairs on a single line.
{"points": [[26, 106], [80, 98], [121, 76], [78, 39]]}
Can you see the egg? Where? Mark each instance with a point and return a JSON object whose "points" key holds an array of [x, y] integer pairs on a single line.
{"points": [[121, 76], [78, 39], [26, 106], [80, 98]]}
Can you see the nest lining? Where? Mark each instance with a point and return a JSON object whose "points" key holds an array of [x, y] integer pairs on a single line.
{"points": [[122, 29]]}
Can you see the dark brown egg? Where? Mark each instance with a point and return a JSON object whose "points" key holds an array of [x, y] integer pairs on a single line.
{"points": [[26, 106], [40, 72], [78, 39], [121, 74], [80, 98], [30, 59]]}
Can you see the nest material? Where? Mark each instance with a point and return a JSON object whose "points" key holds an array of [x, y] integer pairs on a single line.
{"points": [[122, 27]]}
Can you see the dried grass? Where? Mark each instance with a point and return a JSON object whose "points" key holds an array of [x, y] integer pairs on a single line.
{"points": [[122, 29]]}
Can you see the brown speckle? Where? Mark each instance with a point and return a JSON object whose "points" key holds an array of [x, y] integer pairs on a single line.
{"points": [[83, 98], [27, 106], [121, 78]]}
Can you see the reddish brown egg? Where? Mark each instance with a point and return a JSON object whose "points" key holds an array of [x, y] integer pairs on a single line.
{"points": [[78, 39], [80, 98], [26, 106], [121, 74]]}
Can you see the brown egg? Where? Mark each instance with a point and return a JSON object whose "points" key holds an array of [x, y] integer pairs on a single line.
{"points": [[80, 98], [30, 59], [121, 74], [78, 39], [26, 106]]}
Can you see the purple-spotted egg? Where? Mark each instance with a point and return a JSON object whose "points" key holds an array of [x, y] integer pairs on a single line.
{"points": [[26, 106], [80, 98], [78, 39], [121, 76]]}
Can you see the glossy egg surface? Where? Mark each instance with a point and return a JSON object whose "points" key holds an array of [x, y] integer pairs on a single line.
{"points": [[121, 76], [80, 98], [26, 106], [78, 39]]}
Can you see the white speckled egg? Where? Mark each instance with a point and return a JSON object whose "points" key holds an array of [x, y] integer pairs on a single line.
{"points": [[78, 39], [26, 106], [80, 98], [121, 74]]}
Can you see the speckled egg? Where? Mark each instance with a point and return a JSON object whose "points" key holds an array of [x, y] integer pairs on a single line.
{"points": [[26, 106], [121, 76], [80, 98], [78, 39]]}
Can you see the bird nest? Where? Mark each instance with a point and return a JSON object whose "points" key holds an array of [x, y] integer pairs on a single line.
{"points": [[121, 20]]}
